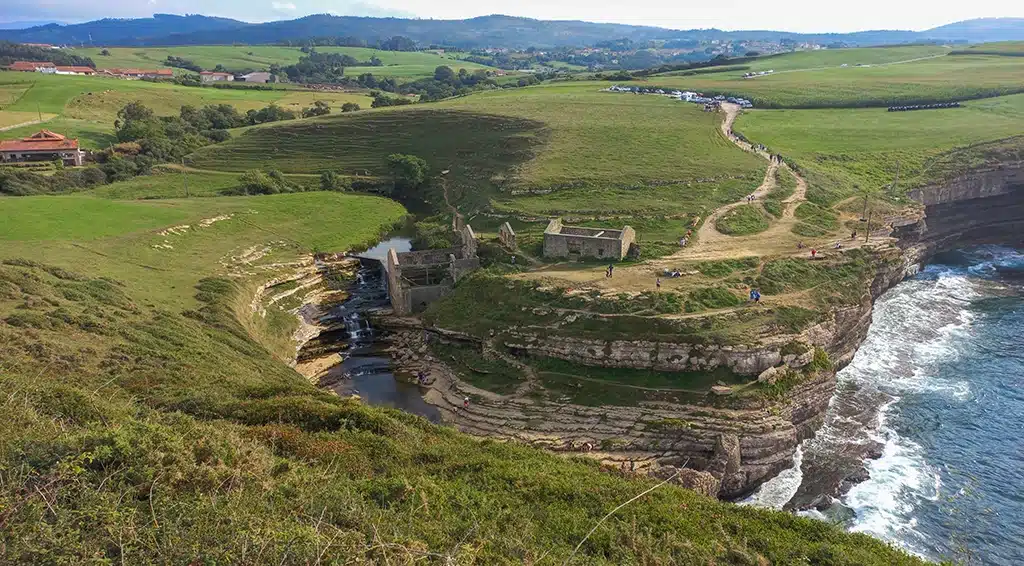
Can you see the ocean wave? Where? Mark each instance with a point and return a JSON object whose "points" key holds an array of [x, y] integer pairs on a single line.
{"points": [[776, 492]]}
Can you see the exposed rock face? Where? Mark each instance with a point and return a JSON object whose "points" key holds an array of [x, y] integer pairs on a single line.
{"points": [[730, 451], [659, 356]]}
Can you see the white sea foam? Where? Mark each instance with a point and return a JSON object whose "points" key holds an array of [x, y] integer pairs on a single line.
{"points": [[917, 326], [777, 491]]}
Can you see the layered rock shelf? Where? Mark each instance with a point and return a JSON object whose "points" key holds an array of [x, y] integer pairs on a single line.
{"points": [[734, 449]]}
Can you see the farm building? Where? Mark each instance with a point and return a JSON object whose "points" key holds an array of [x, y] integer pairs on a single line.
{"points": [[214, 77], [41, 146], [257, 77], [75, 70], [32, 66], [576, 242]]}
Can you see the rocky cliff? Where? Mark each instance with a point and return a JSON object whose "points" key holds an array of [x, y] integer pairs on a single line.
{"points": [[736, 442]]}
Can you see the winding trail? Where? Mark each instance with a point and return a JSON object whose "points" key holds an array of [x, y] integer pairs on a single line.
{"points": [[778, 238]]}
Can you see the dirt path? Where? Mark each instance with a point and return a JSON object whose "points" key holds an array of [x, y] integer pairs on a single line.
{"points": [[23, 124], [778, 238]]}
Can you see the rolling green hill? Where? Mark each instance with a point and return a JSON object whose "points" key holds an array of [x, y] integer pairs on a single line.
{"points": [[86, 107], [931, 79], [860, 147], [237, 58]]}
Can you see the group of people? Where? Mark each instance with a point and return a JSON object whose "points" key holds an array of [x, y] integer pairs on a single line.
{"points": [[751, 198], [755, 295], [610, 271]]}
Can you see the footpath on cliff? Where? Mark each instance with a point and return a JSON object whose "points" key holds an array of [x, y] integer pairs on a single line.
{"points": [[708, 244]]}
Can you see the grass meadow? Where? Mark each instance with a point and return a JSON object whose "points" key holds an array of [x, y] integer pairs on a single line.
{"points": [[236, 58], [933, 79], [86, 107], [860, 147]]}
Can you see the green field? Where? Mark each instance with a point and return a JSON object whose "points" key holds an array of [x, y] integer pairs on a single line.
{"points": [[86, 107], [861, 147], [597, 151], [236, 58], [1004, 48], [827, 58], [931, 79]]}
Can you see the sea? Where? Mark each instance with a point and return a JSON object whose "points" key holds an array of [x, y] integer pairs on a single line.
{"points": [[931, 412]]}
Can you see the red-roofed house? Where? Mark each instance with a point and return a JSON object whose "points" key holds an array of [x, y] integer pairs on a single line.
{"points": [[214, 76], [32, 66], [42, 146], [75, 70]]}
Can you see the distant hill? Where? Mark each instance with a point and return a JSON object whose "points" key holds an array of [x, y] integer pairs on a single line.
{"points": [[486, 31], [981, 30], [113, 31]]}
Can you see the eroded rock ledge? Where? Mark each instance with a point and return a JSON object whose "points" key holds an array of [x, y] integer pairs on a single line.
{"points": [[730, 449]]}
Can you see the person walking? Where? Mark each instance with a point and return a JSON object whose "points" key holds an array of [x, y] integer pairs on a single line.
{"points": [[465, 403], [611, 270], [657, 282], [814, 253]]}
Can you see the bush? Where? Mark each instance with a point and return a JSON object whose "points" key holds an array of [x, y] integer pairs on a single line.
{"points": [[331, 181], [350, 107], [407, 171]]}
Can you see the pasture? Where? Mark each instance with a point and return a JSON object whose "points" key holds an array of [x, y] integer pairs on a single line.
{"points": [[85, 107], [545, 150], [860, 147], [238, 58], [932, 79], [109, 238]]}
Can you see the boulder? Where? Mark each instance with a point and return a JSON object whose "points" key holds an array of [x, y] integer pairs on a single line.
{"points": [[702, 482], [771, 375], [721, 390]]}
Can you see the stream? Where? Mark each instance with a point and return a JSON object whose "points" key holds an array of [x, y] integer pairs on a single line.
{"points": [[366, 368]]}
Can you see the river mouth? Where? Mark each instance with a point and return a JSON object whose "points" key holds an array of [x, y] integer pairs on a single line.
{"points": [[922, 442], [365, 369]]}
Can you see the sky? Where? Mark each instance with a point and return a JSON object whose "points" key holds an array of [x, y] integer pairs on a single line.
{"points": [[786, 15]]}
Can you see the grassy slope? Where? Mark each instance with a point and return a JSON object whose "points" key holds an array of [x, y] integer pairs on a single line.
{"points": [[260, 57], [608, 139], [848, 147], [804, 60], [179, 439], [87, 106], [119, 239], [928, 80]]}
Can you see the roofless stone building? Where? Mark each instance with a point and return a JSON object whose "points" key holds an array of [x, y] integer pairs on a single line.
{"points": [[575, 242]]}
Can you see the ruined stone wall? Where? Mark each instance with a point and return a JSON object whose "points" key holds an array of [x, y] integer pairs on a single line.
{"points": [[507, 236]]}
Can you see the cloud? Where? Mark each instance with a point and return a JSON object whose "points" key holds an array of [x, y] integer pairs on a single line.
{"points": [[283, 6]]}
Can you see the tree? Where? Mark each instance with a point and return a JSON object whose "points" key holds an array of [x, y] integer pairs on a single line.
{"points": [[256, 182], [350, 107], [136, 121], [331, 181], [444, 74], [407, 171], [319, 108]]}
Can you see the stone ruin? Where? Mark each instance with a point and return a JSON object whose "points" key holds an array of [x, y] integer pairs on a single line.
{"points": [[507, 236], [416, 279], [576, 242]]}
